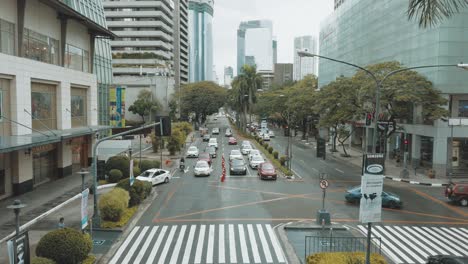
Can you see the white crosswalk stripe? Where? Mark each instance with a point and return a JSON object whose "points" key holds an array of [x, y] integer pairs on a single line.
{"points": [[414, 244], [233, 243]]}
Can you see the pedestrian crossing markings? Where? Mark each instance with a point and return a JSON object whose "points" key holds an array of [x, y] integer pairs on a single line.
{"points": [[230, 243]]}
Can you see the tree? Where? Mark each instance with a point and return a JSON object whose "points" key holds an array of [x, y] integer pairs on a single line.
{"points": [[144, 104], [432, 12]]}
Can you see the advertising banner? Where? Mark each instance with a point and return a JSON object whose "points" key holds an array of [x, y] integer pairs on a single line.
{"points": [[132, 177], [117, 106], [370, 210], [84, 208], [18, 249]]}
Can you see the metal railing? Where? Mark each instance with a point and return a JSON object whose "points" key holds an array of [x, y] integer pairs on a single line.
{"points": [[318, 244]]}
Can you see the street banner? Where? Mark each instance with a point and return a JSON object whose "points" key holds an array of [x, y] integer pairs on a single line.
{"points": [[18, 249], [370, 210], [132, 177], [117, 106], [84, 208]]}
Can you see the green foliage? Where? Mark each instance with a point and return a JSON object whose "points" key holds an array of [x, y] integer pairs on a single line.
{"points": [[126, 216], [344, 258], [149, 164], [270, 149], [144, 104], [64, 246], [432, 12], [136, 171], [202, 98], [121, 163], [138, 191], [91, 259], [176, 141], [185, 127], [275, 154], [283, 160], [115, 175], [40, 260], [265, 145], [155, 142], [113, 203]]}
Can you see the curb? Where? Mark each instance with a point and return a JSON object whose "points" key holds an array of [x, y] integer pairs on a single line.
{"points": [[289, 251]]}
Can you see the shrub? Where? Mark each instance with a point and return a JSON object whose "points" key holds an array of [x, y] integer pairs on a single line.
{"points": [[40, 260], [138, 191], [115, 175], [344, 258], [121, 163], [261, 141], [91, 259], [155, 143], [185, 127], [136, 171], [149, 164], [64, 246], [270, 149], [275, 154], [265, 145], [283, 160], [113, 203]]}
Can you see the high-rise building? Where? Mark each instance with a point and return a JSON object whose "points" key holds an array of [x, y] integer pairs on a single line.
{"points": [[201, 40], [283, 73], [228, 76], [431, 144], [255, 45], [304, 65], [275, 51], [181, 43]]}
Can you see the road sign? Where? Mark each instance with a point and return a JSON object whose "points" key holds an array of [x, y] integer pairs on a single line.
{"points": [[323, 184], [84, 208]]}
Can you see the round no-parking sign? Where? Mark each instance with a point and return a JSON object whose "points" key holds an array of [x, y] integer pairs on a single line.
{"points": [[323, 184]]}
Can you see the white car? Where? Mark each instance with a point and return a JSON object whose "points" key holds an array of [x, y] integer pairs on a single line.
{"points": [[155, 176], [255, 161], [235, 154], [215, 131], [202, 168], [213, 142], [245, 142], [245, 149], [254, 152], [192, 152], [271, 134], [266, 137]]}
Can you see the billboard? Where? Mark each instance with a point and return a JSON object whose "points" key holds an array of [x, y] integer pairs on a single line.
{"points": [[370, 209], [117, 106]]}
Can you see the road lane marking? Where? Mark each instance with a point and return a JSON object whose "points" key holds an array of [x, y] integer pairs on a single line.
{"points": [[188, 247], [436, 240], [201, 238], [221, 249], [209, 253], [405, 237], [410, 252], [323, 161], [314, 169], [141, 253], [253, 243], [180, 239], [243, 244], [429, 197], [384, 246], [275, 243], [297, 174], [154, 251], [456, 231], [339, 170], [451, 238], [168, 243], [135, 245], [265, 247], [124, 246], [232, 245]]}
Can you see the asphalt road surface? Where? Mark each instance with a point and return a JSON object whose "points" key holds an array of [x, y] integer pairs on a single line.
{"points": [[202, 220]]}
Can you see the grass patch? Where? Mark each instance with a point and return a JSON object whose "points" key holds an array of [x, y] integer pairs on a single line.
{"points": [[127, 215], [344, 258], [91, 259], [102, 182]]}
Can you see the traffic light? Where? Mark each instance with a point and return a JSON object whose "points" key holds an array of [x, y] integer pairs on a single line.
{"points": [[166, 126], [406, 144], [368, 119]]}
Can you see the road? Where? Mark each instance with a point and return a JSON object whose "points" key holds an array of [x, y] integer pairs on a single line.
{"points": [[201, 220]]}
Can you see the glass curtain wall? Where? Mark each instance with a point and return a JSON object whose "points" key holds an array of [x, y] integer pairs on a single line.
{"points": [[7, 37]]}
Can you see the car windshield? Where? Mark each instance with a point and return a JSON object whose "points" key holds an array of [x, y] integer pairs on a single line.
{"points": [[201, 165], [268, 167], [204, 156], [212, 140], [235, 152], [146, 174], [192, 149], [257, 158], [238, 162]]}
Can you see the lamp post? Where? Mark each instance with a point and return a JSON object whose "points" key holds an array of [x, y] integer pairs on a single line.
{"points": [[289, 147], [16, 206], [83, 173]]}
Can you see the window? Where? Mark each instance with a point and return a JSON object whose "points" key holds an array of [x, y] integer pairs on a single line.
{"points": [[78, 107], [40, 47], [2, 182], [76, 58], [43, 106], [7, 37], [463, 108]]}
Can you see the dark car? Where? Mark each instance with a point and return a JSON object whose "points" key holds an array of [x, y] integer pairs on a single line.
{"points": [[232, 141], [391, 200], [457, 193], [237, 166], [445, 259], [266, 171], [206, 138], [206, 157], [211, 151]]}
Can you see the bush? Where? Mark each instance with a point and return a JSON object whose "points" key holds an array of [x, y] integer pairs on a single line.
{"points": [[265, 145], [283, 160], [270, 149], [344, 258], [121, 163], [275, 154], [155, 143], [113, 203], [261, 141], [136, 171], [138, 191], [40, 260], [91, 259], [64, 246], [149, 164], [185, 127], [115, 175]]}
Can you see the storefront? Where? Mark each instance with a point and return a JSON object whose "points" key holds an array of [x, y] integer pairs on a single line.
{"points": [[80, 152], [460, 155], [44, 163], [427, 148]]}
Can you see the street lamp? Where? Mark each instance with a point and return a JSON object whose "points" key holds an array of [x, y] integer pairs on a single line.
{"points": [[16, 206], [378, 83], [83, 173], [289, 147]]}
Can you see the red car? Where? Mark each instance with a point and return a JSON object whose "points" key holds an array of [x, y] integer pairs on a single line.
{"points": [[458, 193], [232, 141], [266, 171], [206, 157]]}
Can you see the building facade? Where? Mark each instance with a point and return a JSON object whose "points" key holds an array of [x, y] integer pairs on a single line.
{"points": [[371, 40], [201, 40], [305, 65], [283, 73], [228, 76], [48, 92]]}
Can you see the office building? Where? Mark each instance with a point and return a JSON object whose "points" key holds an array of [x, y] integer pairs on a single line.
{"points": [[305, 65], [48, 92], [201, 40], [372, 40], [283, 74], [181, 43], [228, 76], [255, 45]]}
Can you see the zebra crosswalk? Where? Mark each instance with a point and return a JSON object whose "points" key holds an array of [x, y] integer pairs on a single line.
{"points": [[183, 244], [414, 244]]}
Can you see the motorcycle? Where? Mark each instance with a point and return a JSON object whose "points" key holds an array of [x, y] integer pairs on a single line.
{"points": [[182, 167]]}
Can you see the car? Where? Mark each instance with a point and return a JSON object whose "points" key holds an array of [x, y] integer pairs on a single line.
{"points": [[211, 151], [213, 142], [253, 152], [155, 176], [266, 137], [353, 195], [255, 161], [215, 131], [271, 134], [458, 193], [232, 141], [235, 154], [245, 142], [228, 133], [206, 138], [203, 131], [237, 166], [245, 149], [447, 259], [206, 157], [215, 118], [192, 152], [202, 168], [266, 171]]}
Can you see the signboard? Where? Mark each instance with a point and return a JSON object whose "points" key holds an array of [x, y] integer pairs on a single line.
{"points": [[132, 177], [117, 106], [370, 210], [323, 184], [18, 249], [84, 208]]}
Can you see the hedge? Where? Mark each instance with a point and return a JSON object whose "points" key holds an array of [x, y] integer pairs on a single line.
{"points": [[65, 246], [121, 163], [115, 175], [270, 149], [138, 191], [41, 260], [149, 164], [113, 204], [283, 160], [344, 258], [275, 154]]}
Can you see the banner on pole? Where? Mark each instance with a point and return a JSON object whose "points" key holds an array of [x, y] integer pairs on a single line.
{"points": [[132, 177], [84, 208], [370, 210]]}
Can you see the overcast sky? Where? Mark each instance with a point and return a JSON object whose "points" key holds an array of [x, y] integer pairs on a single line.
{"points": [[290, 18]]}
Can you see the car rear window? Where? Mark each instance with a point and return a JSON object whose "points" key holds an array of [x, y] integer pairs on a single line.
{"points": [[238, 162], [202, 165], [235, 152], [268, 166]]}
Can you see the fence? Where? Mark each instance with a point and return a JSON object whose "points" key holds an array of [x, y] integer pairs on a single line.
{"points": [[317, 244]]}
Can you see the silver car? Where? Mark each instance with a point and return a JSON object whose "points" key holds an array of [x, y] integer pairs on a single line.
{"points": [[235, 154], [245, 149], [192, 152], [202, 168], [255, 161]]}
